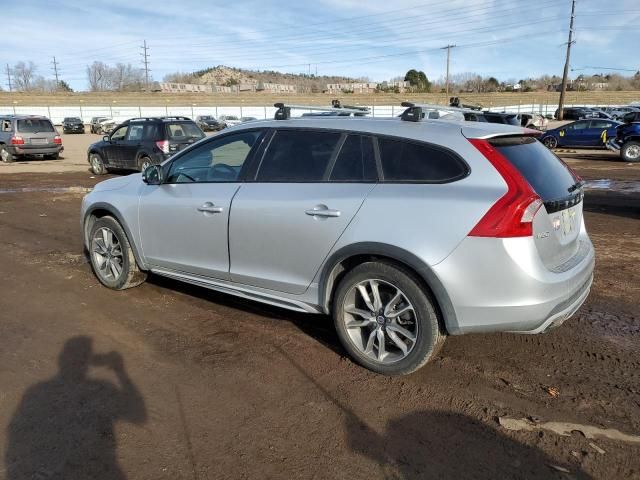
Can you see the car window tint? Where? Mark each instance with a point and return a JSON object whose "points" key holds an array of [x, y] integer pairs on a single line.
{"points": [[404, 161], [182, 131], [119, 133], [600, 124], [151, 132], [6, 126], [135, 132], [35, 125], [297, 156], [218, 160], [577, 126], [356, 161]]}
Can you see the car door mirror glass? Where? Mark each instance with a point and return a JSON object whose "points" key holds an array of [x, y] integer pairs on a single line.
{"points": [[106, 138], [153, 175]]}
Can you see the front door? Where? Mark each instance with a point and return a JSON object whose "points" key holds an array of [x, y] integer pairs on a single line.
{"points": [[114, 149], [309, 186], [184, 221], [574, 133]]}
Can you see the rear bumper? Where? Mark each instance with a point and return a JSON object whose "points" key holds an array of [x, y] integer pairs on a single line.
{"points": [[34, 150], [500, 285]]}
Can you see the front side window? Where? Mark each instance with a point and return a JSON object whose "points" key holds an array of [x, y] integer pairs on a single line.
{"points": [[356, 161], [219, 160], [120, 133], [404, 161], [577, 126], [298, 156]]}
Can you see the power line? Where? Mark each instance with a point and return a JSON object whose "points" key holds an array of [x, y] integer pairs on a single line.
{"points": [[563, 90], [145, 61]]}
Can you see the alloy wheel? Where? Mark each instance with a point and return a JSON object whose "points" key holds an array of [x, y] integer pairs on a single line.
{"points": [[107, 254], [633, 152], [380, 321]]}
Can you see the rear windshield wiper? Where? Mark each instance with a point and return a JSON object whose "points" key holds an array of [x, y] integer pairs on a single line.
{"points": [[576, 186]]}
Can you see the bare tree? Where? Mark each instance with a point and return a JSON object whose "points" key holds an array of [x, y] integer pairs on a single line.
{"points": [[97, 74], [23, 75]]}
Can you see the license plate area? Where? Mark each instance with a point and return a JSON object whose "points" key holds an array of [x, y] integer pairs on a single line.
{"points": [[39, 141]]}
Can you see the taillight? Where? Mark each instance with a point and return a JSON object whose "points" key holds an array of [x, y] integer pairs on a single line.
{"points": [[512, 215], [15, 140], [57, 140], [163, 146]]}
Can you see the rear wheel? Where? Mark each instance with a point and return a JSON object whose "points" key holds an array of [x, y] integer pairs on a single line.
{"points": [[630, 152], [143, 163], [385, 319], [97, 164], [6, 155], [550, 142], [112, 258]]}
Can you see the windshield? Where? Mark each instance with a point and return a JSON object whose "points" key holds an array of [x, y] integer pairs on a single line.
{"points": [[181, 131], [73, 120], [35, 125], [231, 117], [206, 117]]}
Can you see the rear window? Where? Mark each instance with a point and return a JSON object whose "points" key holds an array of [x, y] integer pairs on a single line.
{"points": [[356, 161], [35, 125], [546, 173], [404, 161], [504, 119], [183, 131]]}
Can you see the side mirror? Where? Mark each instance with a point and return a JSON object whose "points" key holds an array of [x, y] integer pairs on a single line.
{"points": [[106, 138], [153, 175]]}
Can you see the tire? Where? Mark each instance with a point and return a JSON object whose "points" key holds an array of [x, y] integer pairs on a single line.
{"points": [[144, 162], [630, 152], [111, 256], [362, 341], [5, 155], [97, 164], [550, 142]]}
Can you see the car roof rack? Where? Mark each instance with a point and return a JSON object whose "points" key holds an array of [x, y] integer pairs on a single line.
{"points": [[284, 110], [414, 111]]}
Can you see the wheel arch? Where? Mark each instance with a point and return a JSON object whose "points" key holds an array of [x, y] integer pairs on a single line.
{"points": [[99, 210], [350, 256]]}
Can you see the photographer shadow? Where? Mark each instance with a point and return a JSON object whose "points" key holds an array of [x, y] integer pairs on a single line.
{"points": [[63, 427]]}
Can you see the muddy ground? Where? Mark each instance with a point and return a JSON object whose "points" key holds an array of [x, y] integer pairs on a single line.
{"points": [[167, 381]]}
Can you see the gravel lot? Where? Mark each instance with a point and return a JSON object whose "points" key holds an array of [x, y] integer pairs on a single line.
{"points": [[206, 386]]}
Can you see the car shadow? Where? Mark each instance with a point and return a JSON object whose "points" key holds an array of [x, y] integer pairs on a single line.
{"points": [[435, 444], [63, 427]]}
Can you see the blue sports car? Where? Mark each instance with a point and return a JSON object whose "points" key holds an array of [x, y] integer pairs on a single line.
{"points": [[584, 133]]}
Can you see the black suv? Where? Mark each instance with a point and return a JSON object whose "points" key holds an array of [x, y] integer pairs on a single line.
{"points": [[574, 113], [209, 124], [140, 142], [72, 125], [504, 118]]}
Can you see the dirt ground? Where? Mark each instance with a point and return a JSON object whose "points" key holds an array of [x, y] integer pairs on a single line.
{"points": [[167, 381]]}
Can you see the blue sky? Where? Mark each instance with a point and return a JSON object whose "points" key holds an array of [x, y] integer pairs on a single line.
{"points": [[361, 38]]}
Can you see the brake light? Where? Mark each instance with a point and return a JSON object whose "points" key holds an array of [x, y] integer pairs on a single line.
{"points": [[15, 140], [57, 140], [512, 215], [163, 146]]}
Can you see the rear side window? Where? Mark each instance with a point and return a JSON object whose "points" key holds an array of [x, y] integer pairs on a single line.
{"points": [[35, 125], [549, 177], [356, 161], [297, 156], [182, 131], [404, 161]]}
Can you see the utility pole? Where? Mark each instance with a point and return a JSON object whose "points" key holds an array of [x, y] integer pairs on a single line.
{"points": [[55, 71], [448, 49], [145, 61], [9, 78], [563, 89]]}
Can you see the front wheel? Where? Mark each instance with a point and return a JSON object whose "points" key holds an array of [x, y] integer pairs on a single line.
{"points": [[143, 163], [112, 258], [97, 164], [385, 319], [550, 142], [630, 152]]}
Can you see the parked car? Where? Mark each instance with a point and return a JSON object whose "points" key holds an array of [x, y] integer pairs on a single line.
{"points": [[95, 126], [229, 120], [618, 112], [574, 113], [26, 135], [504, 118], [627, 138], [583, 133], [72, 125], [533, 120], [404, 232], [140, 142], [247, 119], [208, 123], [470, 116], [599, 113]]}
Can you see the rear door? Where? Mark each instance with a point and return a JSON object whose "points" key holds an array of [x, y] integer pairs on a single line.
{"points": [[556, 227], [182, 134], [599, 131], [308, 187]]}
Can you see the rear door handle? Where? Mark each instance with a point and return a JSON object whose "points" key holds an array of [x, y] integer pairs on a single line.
{"points": [[322, 211], [209, 207]]}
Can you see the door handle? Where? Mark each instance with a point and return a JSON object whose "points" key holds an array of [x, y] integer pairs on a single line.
{"points": [[209, 207], [322, 211]]}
